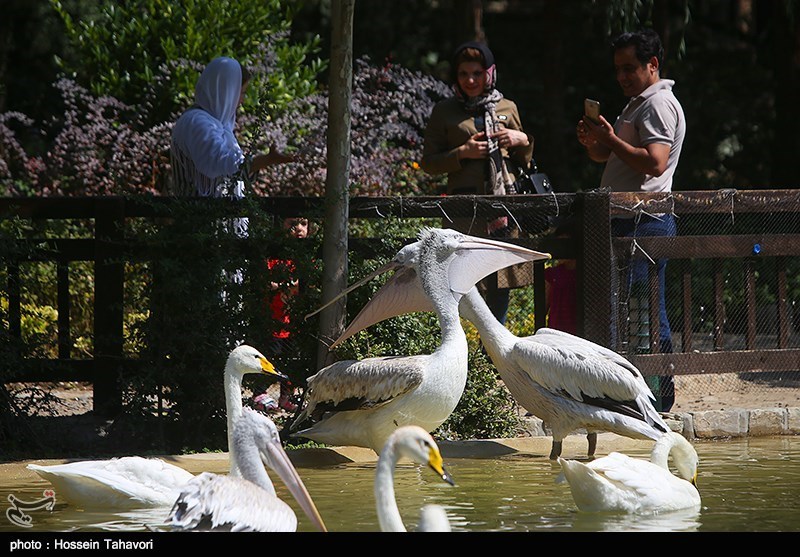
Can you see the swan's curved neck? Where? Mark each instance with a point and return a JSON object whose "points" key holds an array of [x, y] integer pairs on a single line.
{"points": [[662, 449], [248, 463], [233, 409], [386, 503]]}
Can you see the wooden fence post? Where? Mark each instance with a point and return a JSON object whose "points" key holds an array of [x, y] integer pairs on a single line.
{"points": [[109, 276], [599, 293]]}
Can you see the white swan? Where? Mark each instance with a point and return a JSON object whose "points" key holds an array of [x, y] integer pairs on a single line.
{"points": [[361, 402], [134, 481], [433, 518], [213, 502], [416, 444], [620, 483], [567, 381]]}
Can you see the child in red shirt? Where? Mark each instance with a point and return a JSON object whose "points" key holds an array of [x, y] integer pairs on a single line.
{"points": [[296, 227]]}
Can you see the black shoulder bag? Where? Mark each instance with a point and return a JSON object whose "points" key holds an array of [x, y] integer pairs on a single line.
{"points": [[530, 180]]}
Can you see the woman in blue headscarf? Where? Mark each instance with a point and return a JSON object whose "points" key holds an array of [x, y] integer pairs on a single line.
{"points": [[206, 156]]}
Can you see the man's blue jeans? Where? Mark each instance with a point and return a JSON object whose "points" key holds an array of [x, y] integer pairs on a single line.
{"points": [[663, 225]]}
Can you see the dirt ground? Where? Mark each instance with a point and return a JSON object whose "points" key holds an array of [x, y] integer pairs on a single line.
{"points": [[65, 426], [693, 393]]}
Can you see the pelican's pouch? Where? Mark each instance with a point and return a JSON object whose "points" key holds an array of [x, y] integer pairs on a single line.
{"points": [[515, 276]]}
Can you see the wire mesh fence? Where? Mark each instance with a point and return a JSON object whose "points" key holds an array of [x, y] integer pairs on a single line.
{"points": [[726, 330], [731, 283], [725, 333]]}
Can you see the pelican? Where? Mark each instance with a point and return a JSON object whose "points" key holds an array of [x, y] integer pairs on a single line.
{"points": [[567, 381], [361, 402], [213, 502], [414, 443], [134, 481], [620, 483]]}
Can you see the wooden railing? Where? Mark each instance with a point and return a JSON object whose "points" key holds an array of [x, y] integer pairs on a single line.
{"points": [[593, 249], [781, 244]]}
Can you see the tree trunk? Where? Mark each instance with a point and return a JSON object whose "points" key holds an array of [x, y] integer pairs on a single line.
{"points": [[337, 200]]}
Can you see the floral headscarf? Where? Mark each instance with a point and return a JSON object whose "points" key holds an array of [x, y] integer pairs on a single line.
{"points": [[486, 105]]}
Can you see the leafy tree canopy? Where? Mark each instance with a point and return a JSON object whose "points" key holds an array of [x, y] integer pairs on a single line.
{"points": [[123, 48]]}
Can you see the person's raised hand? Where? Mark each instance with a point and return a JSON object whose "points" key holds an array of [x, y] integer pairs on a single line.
{"points": [[600, 132]]}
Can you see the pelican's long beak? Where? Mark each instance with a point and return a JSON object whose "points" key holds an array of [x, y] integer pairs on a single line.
{"points": [[389, 266], [401, 294], [268, 368], [278, 460], [475, 258]]}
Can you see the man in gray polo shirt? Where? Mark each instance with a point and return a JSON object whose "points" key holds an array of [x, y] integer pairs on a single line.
{"points": [[641, 151]]}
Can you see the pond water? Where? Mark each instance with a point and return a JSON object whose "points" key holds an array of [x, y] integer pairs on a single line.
{"points": [[746, 485]]}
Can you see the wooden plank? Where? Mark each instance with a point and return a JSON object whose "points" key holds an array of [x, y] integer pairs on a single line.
{"points": [[702, 363], [654, 308], [597, 257], [47, 371], [719, 306], [63, 305], [42, 370], [783, 317], [108, 311], [580, 273], [622, 204], [750, 303], [706, 202], [687, 337], [539, 295], [47, 207], [722, 246], [52, 249]]}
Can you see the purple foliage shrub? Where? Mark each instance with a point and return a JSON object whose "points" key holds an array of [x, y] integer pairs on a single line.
{"points": [[390, 106], [101, 148], [104, 147], [17, 168]]}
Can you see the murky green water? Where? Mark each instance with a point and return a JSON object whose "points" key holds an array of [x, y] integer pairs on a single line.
{"points": [[746, 485]]}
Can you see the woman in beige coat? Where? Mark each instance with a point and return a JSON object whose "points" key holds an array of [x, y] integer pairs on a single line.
{"points": [[476, 138]]}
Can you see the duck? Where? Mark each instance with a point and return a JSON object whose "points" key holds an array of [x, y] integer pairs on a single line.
{"points": [[246, 503], [418, 445], [620, 483], [361, 402], [139, 482]]}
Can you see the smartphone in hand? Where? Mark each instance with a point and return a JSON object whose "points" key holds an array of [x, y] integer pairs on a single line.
{"points": [[591, 109]]}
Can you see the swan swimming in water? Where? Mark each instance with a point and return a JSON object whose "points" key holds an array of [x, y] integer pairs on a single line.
{"points": [[361, 402], [134, 481], [414, 443], [214, 502], [620, 483]]}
